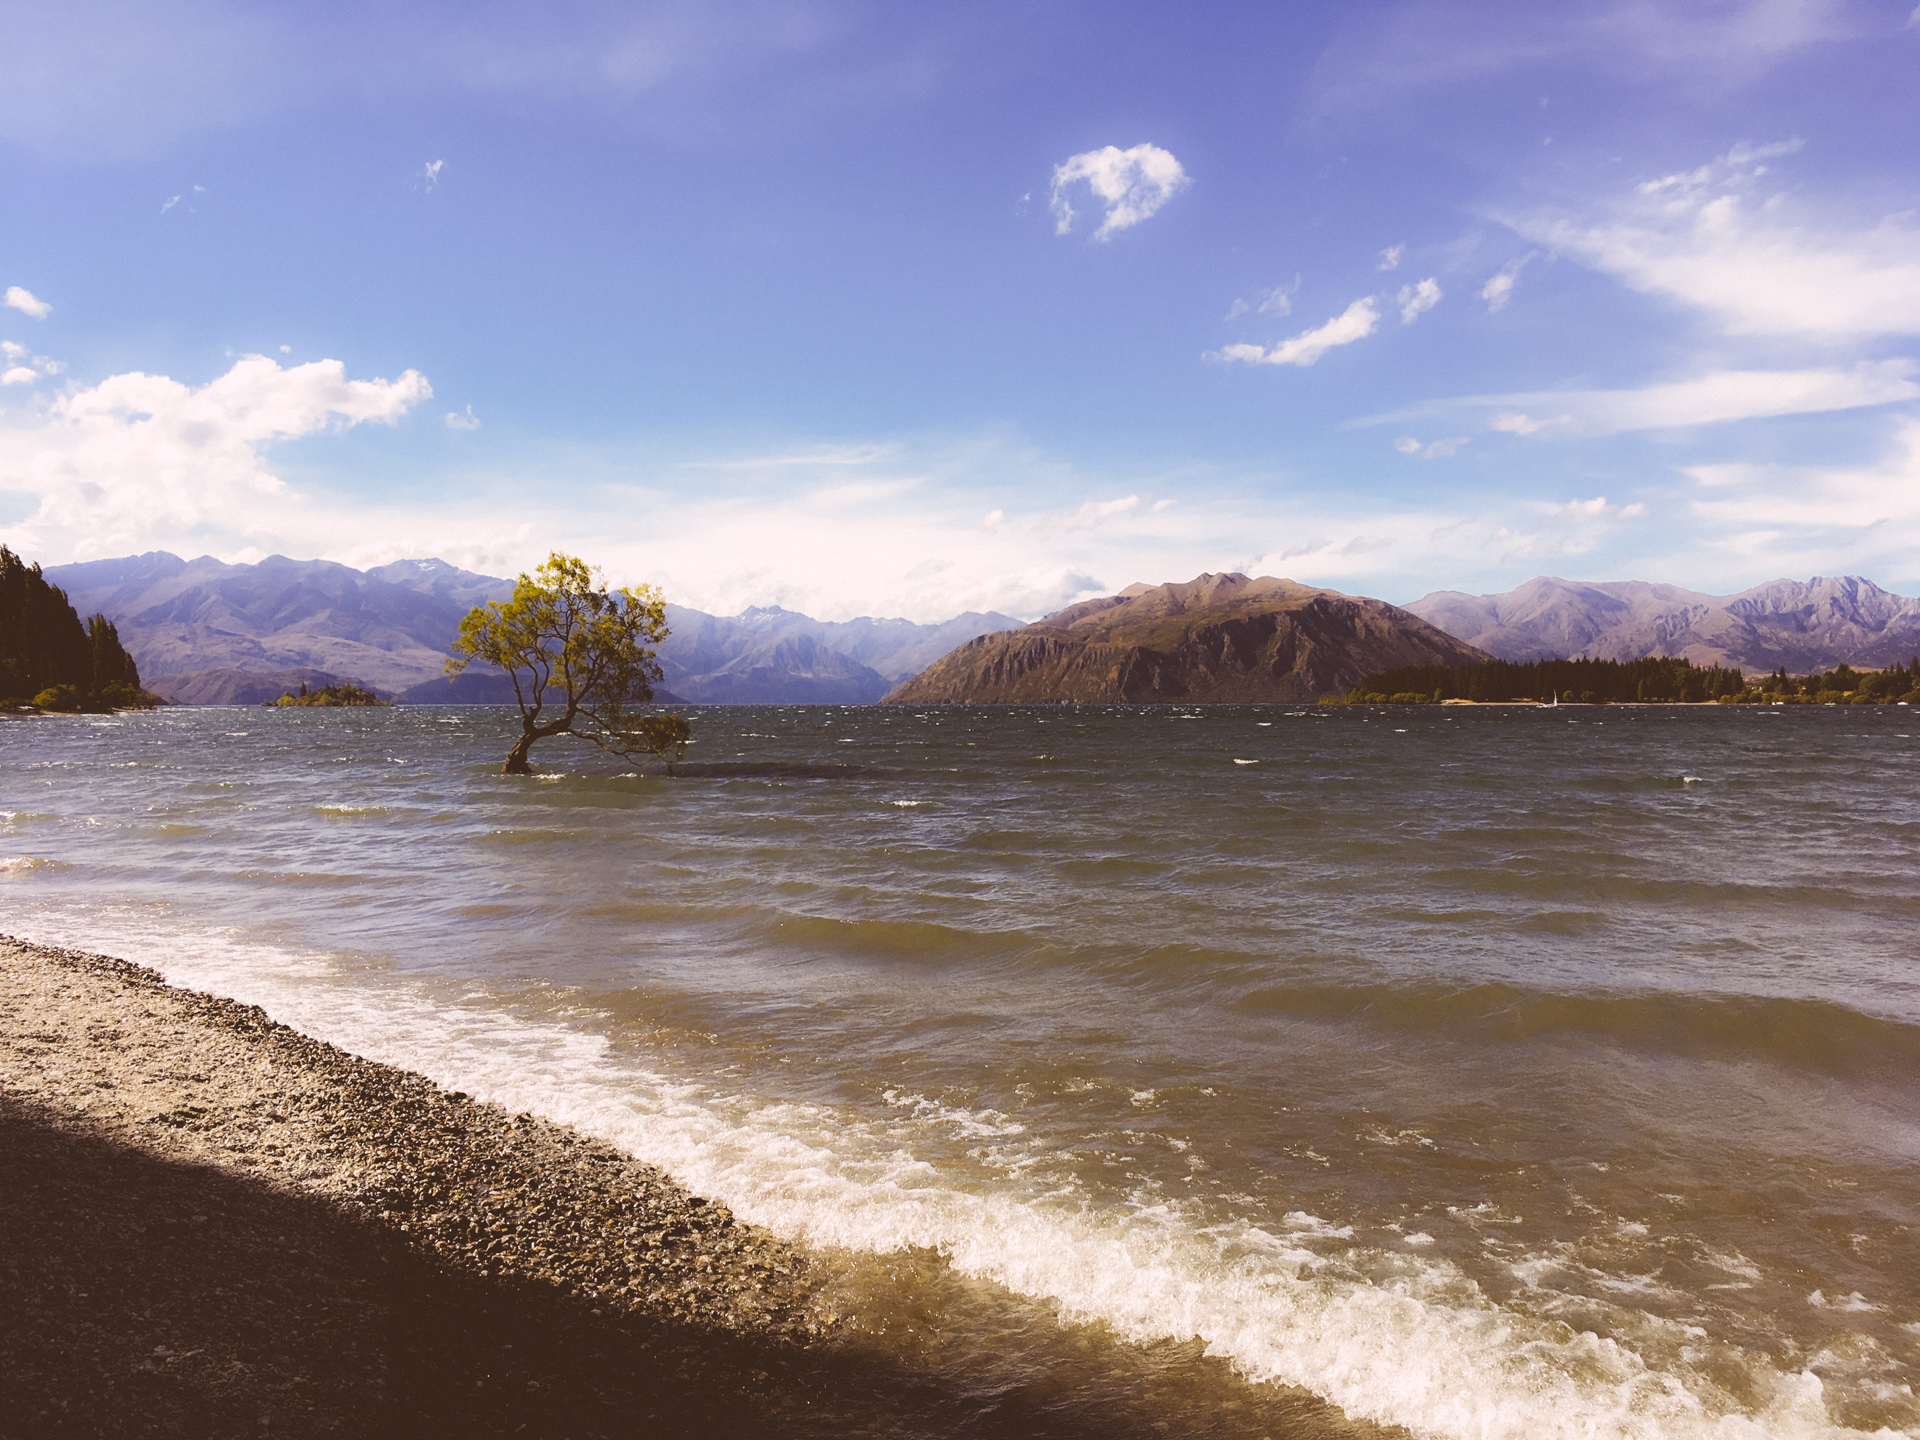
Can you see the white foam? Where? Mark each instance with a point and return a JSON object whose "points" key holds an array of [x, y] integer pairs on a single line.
{"points": [[30, 864], [1425, 1349]]}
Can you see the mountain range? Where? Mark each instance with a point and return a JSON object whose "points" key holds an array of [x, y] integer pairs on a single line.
{"points": [[1802, 625], [1217, 639], [206, 632]]}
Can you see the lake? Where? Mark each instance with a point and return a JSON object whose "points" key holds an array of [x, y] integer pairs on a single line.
{"points": [[1484, 1071]]}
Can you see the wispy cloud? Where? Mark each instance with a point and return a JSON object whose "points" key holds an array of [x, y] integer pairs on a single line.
{"points": [[1276, 301], [463, 419], [1416, 300], [1356, 322], [1390, 257], [174, 200], [1759, 264], [1825, 518], [430, 173], [1401, 49], [1499, 290], [1133, 183], [26, 302], [1432, 449], [1711, 399]]}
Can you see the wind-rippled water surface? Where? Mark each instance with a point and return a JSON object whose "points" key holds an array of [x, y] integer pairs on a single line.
{"points": [[1483, 1071]]}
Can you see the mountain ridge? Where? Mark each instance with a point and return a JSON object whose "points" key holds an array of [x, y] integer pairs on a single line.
{"points": [[1801, 625], [207, 632], [1217, 639]]}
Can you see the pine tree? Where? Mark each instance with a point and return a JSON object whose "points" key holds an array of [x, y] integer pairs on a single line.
{"points": [[43, 645]]}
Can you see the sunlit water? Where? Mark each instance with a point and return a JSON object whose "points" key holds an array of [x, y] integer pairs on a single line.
{"points": [[1488, 1072]]}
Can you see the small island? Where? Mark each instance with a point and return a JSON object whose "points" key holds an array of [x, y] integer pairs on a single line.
{"points": [[342, 694]]}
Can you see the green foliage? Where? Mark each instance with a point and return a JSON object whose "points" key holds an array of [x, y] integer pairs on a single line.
{"points": [[664, 735], [1656, 678], [579, 653], [328, 695], [1653, 680], [44, 649], [1842, 685], [108, 659], [61, 699]]}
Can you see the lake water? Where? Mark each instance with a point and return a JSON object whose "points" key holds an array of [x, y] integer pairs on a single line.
{"points": [[1268, 1070]]}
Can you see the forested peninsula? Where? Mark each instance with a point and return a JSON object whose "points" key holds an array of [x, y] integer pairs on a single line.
{"points": [[49, 660], [1655, 680]]}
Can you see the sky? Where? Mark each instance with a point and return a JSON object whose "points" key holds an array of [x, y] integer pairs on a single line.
{"points": [[908, 310]]}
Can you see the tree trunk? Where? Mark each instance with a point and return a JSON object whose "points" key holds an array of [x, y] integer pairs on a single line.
{"points": [[517, 757]]}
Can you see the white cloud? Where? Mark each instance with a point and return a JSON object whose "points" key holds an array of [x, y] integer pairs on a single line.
{"points": [[1095, 511], [1390, 257], [26, 302], [430, 172], [1499, 290], [1356, 322], [1598, 508], [1761, 265], [463, 419], [1134, 184], [139, 460], [23, 367], [1432, 450], [1512, 422], [1416, 300]]}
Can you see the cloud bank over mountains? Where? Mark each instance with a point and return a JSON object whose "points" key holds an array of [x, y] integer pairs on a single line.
{"points": [[762, 314]]}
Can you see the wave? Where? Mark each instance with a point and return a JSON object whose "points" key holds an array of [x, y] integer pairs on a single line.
{"points": [[32, 865], [1815, 1034], [1430, 1352], [776, 770], [1693, 895], [908, 941]]}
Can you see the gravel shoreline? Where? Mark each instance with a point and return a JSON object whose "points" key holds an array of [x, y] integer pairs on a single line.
{"points": [[212, 1225], [307, 1176]]}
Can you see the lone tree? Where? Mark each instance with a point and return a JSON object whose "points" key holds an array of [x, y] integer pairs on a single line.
{"points": [[579, 653]]}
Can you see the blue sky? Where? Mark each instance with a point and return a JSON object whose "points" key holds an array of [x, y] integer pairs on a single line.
{"points": [[910, 309]]}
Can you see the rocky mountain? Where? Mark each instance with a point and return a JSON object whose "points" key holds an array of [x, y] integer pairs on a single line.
{"points": [[892, 649], [205, 632], [1218, 639], [1805, 626], [385, 628]]}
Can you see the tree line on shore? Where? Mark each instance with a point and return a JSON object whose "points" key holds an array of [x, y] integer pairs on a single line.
{"points": [[49, 659], [1653, 680]]}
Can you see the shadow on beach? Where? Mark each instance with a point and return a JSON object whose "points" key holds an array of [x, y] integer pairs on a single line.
{"points": [[141, 1296]]}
